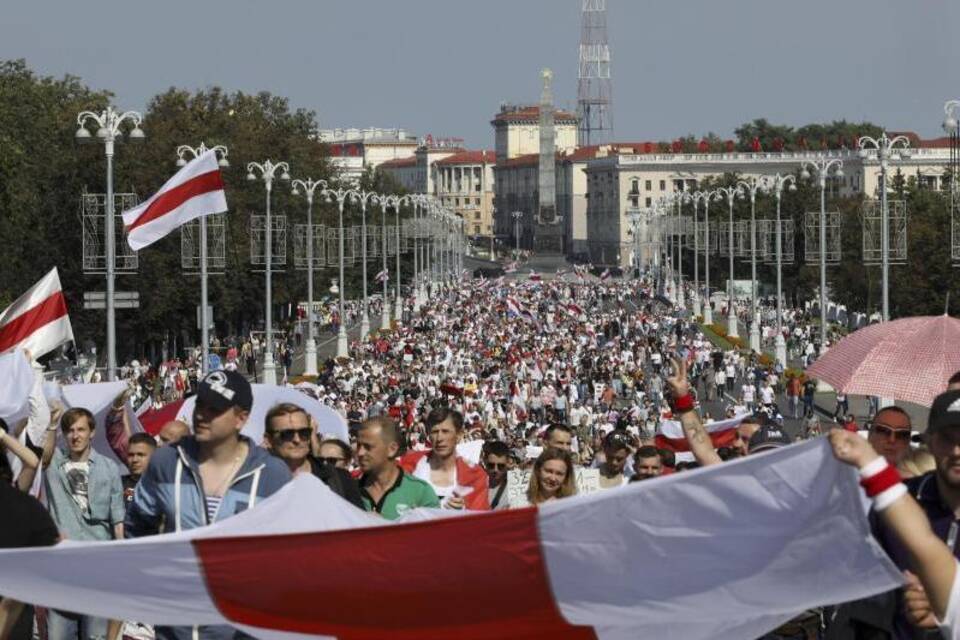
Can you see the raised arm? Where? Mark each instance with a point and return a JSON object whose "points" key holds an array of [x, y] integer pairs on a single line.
{"points": [[700, 444], [934, 563]]}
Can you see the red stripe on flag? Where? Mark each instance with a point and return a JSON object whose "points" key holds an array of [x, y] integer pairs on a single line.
{"points": [[175, 197], [478, 576], [24, 325], [719, 439]]}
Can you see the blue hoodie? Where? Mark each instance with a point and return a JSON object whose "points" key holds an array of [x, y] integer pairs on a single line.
{"points": [[170, 497]]}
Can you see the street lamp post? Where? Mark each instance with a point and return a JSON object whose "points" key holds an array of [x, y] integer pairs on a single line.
{"points": [[822, 169], [109, 129], [730, 193], [397, 202], [678, 200], [885, 148], [341, 195], [516, 215], [695, 198], [777, 183], [707, 309], [267, 170], [384, 202], [363, 197], [752, 185], [221, 151], [308, 187]]}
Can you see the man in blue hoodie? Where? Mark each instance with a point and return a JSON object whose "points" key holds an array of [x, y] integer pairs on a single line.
{"points": [[206, 477]]}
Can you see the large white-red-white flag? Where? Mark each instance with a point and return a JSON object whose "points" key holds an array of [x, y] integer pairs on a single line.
{"points": [[196, 190], [38, 319], [725, 552]]}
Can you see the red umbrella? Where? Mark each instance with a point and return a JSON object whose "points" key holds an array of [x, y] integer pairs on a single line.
{"points": [[909, 359]]}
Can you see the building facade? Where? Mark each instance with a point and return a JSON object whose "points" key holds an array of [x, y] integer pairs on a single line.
{"points": [[464, 184], [626, 183], [352, 151]]}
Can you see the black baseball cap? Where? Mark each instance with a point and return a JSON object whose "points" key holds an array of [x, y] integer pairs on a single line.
{"points": [[221, 390], [769, 436], [945, 412]]}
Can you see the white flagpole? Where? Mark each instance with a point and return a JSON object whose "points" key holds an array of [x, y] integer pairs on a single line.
{"points": [[204, 321]]}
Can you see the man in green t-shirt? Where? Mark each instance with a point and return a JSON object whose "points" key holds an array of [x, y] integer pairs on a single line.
{"points": [[385, 488]]}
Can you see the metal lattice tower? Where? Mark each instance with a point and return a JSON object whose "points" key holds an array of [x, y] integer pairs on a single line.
{"points": [[594, 87]]}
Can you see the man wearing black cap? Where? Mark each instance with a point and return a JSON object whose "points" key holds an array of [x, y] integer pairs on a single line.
{"points": [[206, 477]]}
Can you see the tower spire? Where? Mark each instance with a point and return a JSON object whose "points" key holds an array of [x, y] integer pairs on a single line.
{"points": [[594, 86]]}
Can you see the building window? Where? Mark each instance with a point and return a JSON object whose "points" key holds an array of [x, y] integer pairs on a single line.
{"points": [[649, 201], [648, 185], [476, 229], [663, 185], [634, 201], [477, 201], [476, 216], [634, 186]]}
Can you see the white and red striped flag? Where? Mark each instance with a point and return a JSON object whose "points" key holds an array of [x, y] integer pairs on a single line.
{"points": [[605, 275], [383, 276], [780, 532], [535, 277], [722, 433], [37, 320], [196, 190]]}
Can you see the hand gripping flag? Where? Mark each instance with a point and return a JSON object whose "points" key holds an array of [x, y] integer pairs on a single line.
{"points": [[196, 190], [725, 552], [38, 319]]}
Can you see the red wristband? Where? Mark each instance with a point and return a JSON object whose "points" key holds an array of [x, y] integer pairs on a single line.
{"points": [[881, 481], [683, 403]]}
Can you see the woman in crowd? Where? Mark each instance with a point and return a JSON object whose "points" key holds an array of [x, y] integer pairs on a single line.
{"points": [[552, 477]]}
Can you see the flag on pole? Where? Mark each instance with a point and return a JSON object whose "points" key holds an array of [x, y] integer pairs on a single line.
{"points": [[605, 275], [781, 532], [37, 320], [196, 190], [510, 267], [383, 276]]}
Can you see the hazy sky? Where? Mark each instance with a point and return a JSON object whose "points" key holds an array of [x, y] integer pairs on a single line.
{"points": [[444, 66]]}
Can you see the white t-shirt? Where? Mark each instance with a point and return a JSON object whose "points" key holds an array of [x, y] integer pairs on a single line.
{"points": [[766, 394], [950, 626], [748, 392]]}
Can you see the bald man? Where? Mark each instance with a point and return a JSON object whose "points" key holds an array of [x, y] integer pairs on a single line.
{"points": [[173, 431]]}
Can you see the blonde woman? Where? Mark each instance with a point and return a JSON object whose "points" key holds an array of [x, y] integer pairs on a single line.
{"points": [[552, 477]]}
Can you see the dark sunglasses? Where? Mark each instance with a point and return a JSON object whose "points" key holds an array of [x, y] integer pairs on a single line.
{"points": [[286, 435], [330, 461], [886, 432], [495, 466]]}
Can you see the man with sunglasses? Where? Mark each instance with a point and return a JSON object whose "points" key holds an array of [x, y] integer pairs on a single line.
{"points": [[890, 433], [496, 459], [288, 435]]}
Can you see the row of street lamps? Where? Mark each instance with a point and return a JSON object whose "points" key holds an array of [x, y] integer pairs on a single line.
{"points": [[444, 256]]}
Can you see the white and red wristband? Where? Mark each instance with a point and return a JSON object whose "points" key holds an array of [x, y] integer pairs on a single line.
{"points": [[881, 481]]}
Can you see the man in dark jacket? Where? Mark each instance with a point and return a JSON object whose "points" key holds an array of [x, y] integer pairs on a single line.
{"points": [[288, 434]]}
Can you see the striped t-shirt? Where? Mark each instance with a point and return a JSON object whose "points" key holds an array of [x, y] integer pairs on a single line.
{"points": [[213, 503]]}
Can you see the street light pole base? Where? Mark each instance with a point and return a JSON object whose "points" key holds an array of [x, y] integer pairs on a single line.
{"points": [[680, 301], [781, 350], [696, 306], [707, 314], [385, 316], [269, 369], [343, 349], [732, 324], [398, 310], [364, 327], [755, 334], [310, 358]]}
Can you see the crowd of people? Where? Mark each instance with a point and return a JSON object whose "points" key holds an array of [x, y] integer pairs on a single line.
{"points": [[496, 394]]}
